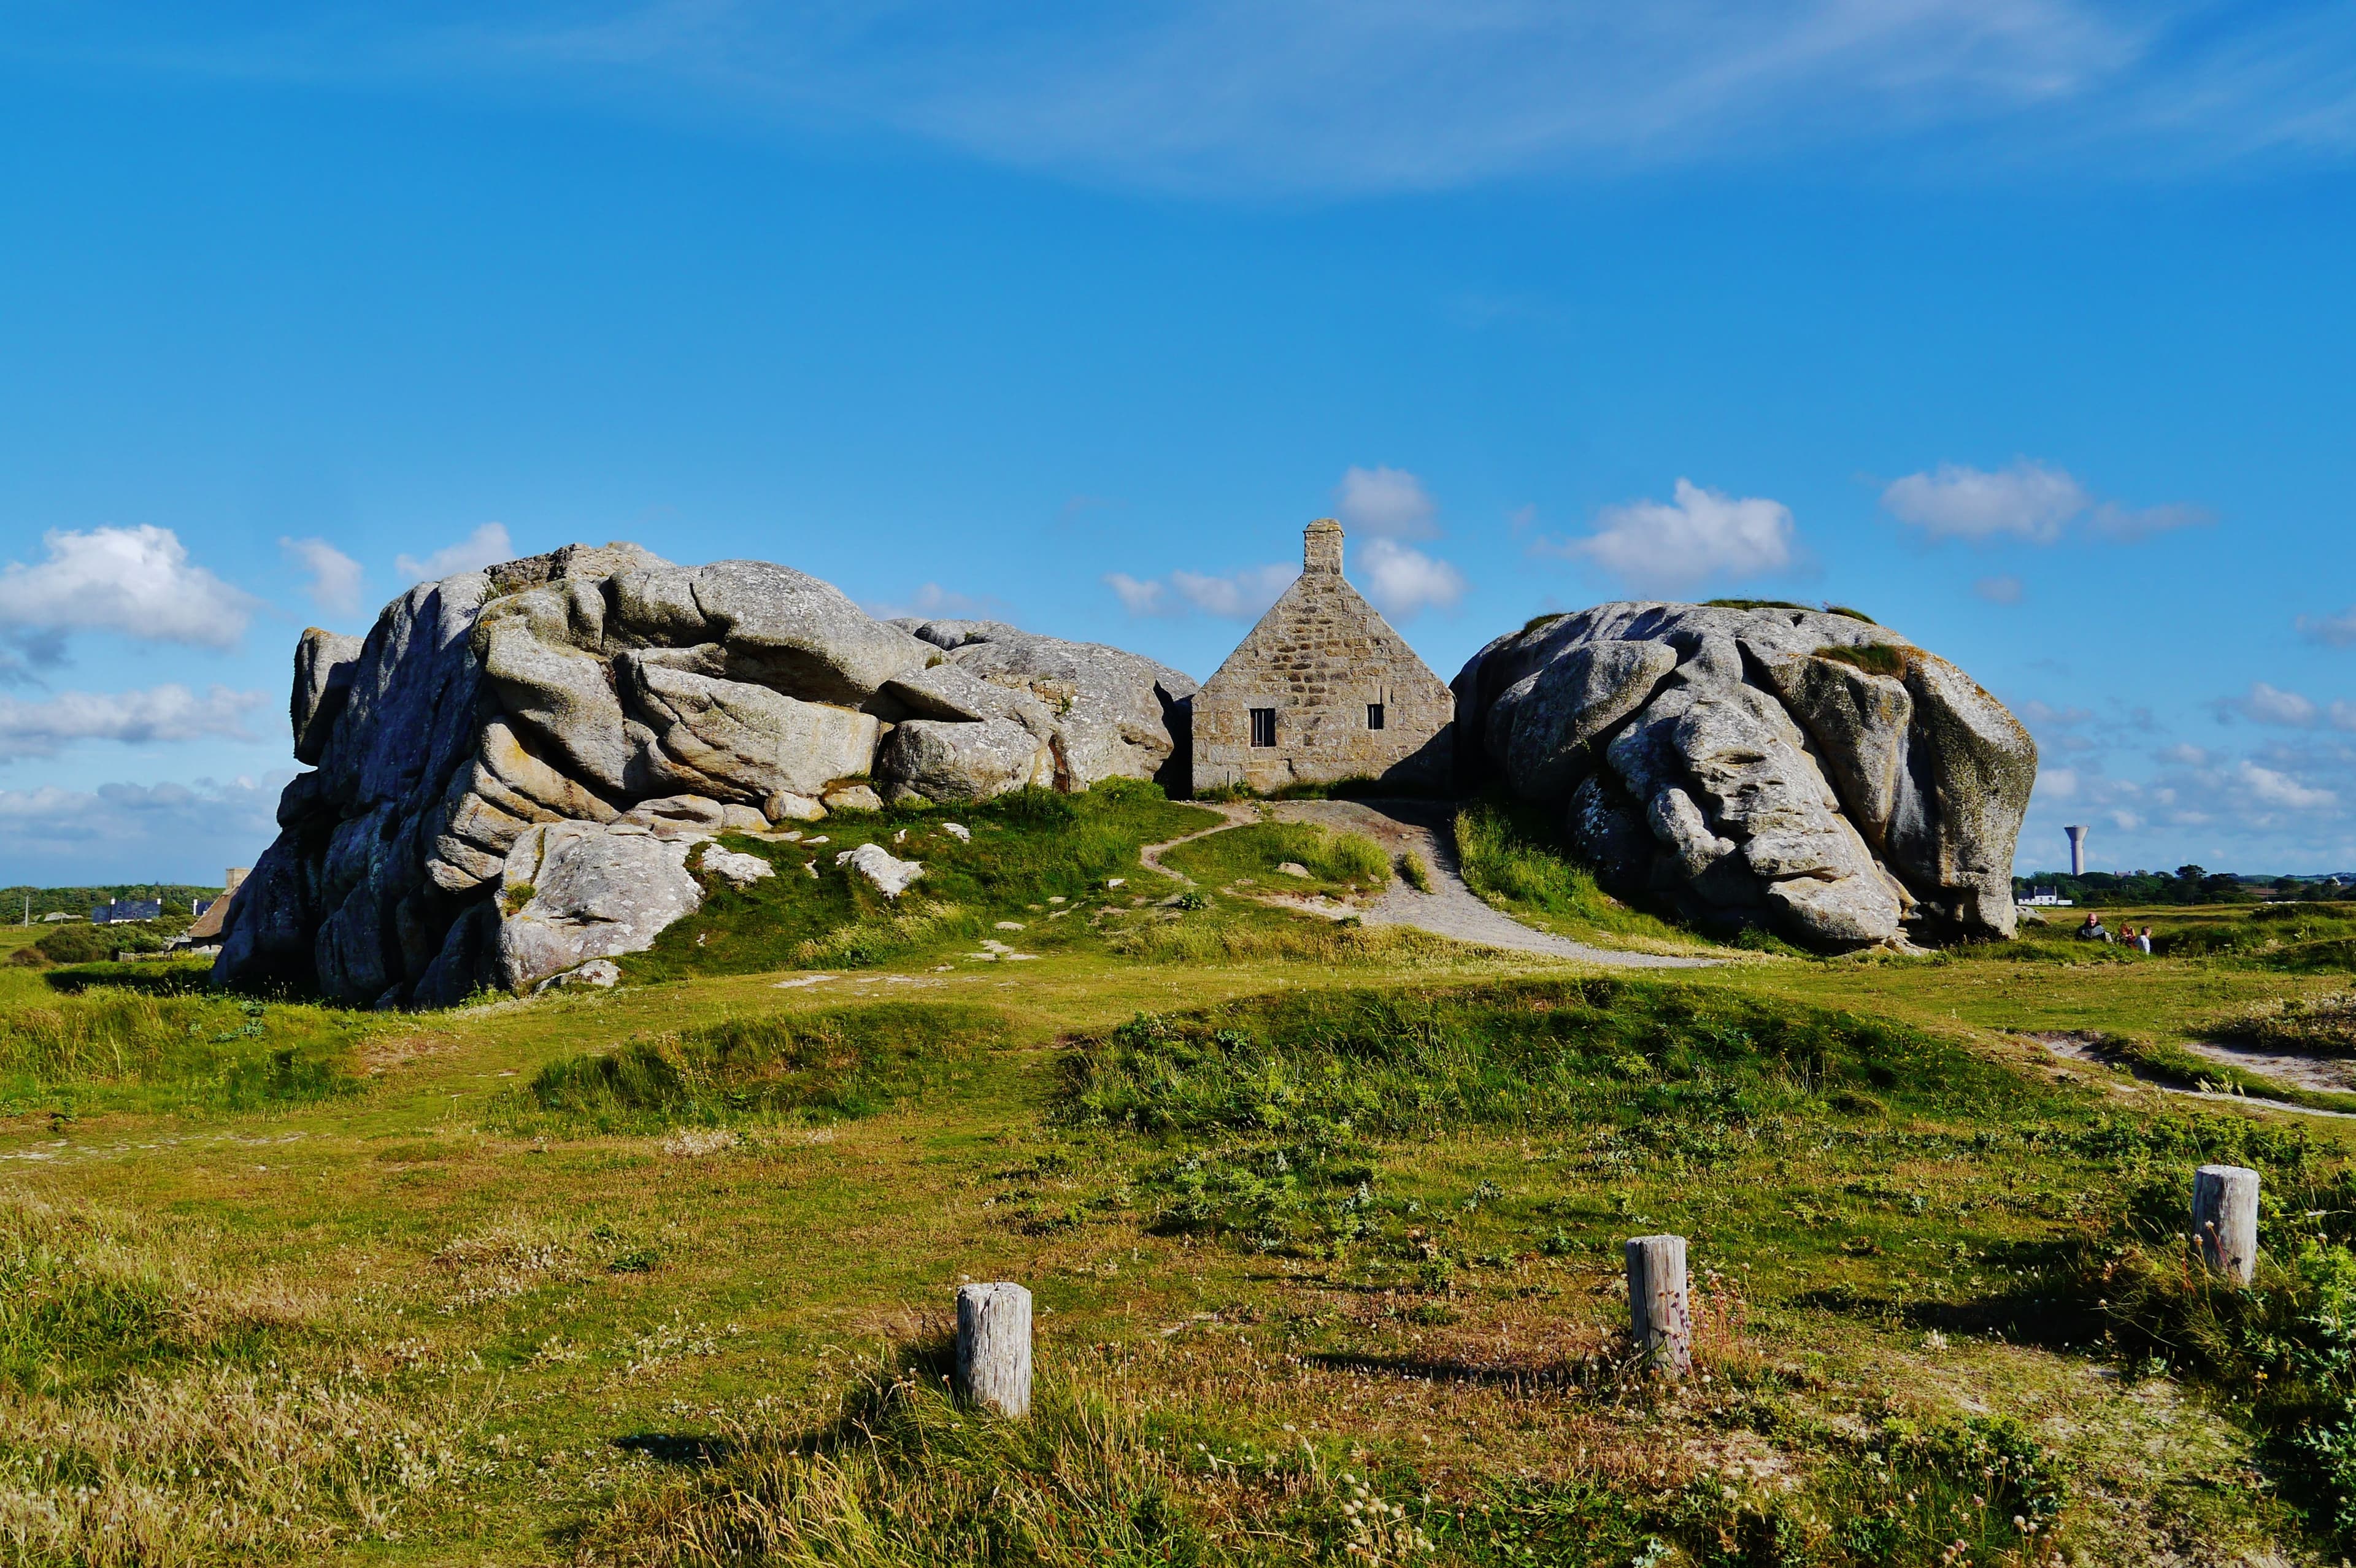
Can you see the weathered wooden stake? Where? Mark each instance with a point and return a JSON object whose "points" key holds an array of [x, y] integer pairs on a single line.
{"points": [[1658, 1317], [993, 1347], [2225, 1218]]}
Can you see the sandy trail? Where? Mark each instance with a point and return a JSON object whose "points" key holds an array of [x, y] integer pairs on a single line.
{"points": [[2080, 1048], [1450, 909]]}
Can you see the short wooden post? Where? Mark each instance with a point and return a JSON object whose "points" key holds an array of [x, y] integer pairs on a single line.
{"points": [[2225, 1218], [1659, 1318], [993, 1347]]}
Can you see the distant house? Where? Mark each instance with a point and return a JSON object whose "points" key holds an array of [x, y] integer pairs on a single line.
{"points": [[125, 911], [215, 914], [1322, 689]]}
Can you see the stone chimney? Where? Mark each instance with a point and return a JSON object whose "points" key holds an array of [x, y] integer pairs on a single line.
{"points": [[1322, 547]]}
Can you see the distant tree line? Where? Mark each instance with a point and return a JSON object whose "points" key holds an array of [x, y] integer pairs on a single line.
{"points": [[80, 900], [2185, 885]]}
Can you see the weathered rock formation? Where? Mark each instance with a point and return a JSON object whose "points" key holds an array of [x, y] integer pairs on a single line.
{"points": [[1807, 771], [512, 767]]}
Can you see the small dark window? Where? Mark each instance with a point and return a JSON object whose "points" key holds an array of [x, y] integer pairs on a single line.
{"points": [[1374, 715], [1263, 726]]}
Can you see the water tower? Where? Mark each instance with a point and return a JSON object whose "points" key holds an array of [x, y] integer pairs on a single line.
{"points": [[2077, 832]]}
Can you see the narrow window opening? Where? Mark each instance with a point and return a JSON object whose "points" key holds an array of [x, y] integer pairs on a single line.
{"points": [[1374, 715], [1263, 726]]}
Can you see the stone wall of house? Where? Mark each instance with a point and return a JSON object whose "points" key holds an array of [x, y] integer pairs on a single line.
{"points": [[1319, 659]]}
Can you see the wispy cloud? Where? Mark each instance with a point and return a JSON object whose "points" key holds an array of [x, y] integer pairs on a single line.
{"points": [[1242, 595], [1697, 536], [1229, 96], [119, 831], [2004, 589], [486, 546], [132, 582], [169, 712], [333, 578], [2030, 501]]}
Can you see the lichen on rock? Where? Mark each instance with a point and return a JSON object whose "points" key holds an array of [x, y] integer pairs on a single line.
{"points": [[1766, 765]]}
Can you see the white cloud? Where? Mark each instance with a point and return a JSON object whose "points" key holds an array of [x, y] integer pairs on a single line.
{"points": [[486, 546], [1139, 597], [2264, 704], [1699, 535], [2272, 790], [2028, 500], [1235, 596], [170, 712], [126, 832], [134, 581], [2332, 631], [334, 577], [1389, 503], [2002, 589], [1403, 581], [2184, 755]]}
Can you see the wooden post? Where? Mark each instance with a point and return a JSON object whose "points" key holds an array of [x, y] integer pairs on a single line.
{"points": [[2225, 1218], [1659, 1320], [993, 1347]]}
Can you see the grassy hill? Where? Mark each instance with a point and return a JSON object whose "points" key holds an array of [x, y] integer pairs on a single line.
{"points": [[1323, 1221]]}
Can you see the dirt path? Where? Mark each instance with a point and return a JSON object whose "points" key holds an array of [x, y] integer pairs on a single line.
{"points": [[2331, 1075], [2079, 1047], [1450, 909]]}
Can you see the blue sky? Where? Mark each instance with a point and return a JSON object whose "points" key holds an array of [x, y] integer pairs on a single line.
{"points": [[2023, 325]]}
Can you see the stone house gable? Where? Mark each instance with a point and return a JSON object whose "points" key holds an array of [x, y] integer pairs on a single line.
{"points": [[1322, 689]]}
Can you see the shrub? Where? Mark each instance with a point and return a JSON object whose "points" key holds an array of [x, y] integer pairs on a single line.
{"points": [[1509, 855], [95, 944], [1874, 658], [1414, 872], [2325, 1025]]}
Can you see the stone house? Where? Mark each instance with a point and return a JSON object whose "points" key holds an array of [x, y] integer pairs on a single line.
{"points": [[1322, 689]]}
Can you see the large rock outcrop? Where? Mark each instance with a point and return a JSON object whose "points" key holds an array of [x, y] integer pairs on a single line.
{"points": [[1804, 771], [510, 770]]}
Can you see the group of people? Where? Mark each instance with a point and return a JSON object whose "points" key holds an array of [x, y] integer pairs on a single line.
{"points": [[2095, 930]]}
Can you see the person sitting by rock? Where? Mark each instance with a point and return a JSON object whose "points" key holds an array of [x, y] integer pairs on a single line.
{"points": [[2092, 929]]}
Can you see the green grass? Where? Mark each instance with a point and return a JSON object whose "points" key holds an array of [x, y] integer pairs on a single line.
{"points": [[847, 1061], [1510, 854], [114, 1046], [1874, 658], [1413, 872], [1026, 848], [2321, 1026], [1323, 1247], [1337, 862]]}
